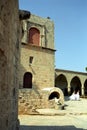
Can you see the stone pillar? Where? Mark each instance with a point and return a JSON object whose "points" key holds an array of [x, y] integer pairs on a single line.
{"points": [[69, 87], [82, 90], [9, 60]]}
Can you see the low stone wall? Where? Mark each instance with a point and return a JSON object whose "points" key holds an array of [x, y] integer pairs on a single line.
{"points": [[31, 99]]}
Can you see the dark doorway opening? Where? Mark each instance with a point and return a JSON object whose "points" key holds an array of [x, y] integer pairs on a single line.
{"points": [[27, 81], [53, 95]]}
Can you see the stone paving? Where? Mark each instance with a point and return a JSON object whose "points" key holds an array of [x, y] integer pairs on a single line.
{"points": [[71, 107], [74, 117]]}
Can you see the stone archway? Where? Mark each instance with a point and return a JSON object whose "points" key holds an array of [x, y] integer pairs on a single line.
{"points": [[53, 95], [56, 92], [61, 82], [75, 85]]}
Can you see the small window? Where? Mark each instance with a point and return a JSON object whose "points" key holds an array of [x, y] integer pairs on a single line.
{"points": [[30, 59]]}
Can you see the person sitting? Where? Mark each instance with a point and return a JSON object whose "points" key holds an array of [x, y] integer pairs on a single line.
{"points": [[72, 97], [77, 96]]}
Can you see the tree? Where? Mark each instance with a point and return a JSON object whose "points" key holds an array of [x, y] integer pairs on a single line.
{"points": [[86, 68]]}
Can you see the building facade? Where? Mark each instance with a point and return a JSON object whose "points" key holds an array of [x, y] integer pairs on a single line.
{"points": [[37, 70], [37, 53], [39, 81], [70, 81]]}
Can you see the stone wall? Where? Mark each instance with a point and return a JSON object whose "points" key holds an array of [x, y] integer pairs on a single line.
{"points": [[46, 28], [42, 67], [32, 100], [9, 55]]}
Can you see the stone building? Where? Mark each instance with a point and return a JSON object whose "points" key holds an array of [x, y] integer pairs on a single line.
{"points": [[37, 53], [9, 60], [37, 70], [69, 81], [40, 82]]}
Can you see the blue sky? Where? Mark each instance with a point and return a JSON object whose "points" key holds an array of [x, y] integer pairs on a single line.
{"points": [[70, 21]]}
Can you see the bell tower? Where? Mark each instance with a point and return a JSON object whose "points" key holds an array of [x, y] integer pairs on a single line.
{"points": [[38, 42]]}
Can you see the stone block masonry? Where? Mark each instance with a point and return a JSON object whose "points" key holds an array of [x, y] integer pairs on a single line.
{"points": [[38, 44], [31, 100], [9, 55]]}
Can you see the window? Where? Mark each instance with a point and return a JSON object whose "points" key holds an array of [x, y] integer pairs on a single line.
{"points": [[30, 59], [34, 36]]}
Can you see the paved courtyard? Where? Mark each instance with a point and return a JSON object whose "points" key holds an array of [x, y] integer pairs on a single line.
{"points": [[74, 117]]}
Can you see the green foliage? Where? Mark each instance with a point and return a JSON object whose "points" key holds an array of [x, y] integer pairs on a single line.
{"points": [[86, 68]]}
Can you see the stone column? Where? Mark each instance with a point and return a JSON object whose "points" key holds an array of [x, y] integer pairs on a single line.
{"points": [[9, 60], [82, 90], [69, 87]]}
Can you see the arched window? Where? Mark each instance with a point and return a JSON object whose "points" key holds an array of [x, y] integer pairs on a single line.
{"points": [[34, 36], [27, 80]]}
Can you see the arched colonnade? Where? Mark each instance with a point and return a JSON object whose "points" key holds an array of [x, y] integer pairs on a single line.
{"points": [[70, 81]]}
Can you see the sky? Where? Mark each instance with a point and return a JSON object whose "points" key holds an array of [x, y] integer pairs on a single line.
{"points": [[70, 32]]}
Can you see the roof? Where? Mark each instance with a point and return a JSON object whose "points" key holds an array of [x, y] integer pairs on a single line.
{"points": [[70, 71]]}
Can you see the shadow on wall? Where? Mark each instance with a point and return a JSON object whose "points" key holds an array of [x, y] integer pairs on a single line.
{"points": [[49, 128]]}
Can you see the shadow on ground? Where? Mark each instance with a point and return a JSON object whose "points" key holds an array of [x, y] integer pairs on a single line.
{"points": [[22, 127], [66, 98]]}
